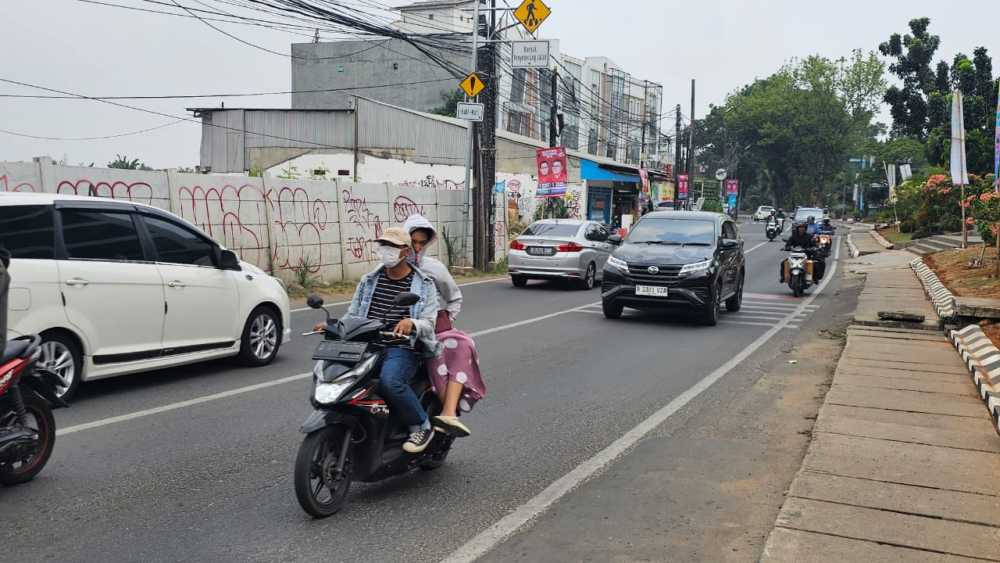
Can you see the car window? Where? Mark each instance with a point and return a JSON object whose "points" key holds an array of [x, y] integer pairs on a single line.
{"points": [[27, 231], [176, 244], [805, 213], [728, 230], [100, 235], [551, 230], [673, 231]]}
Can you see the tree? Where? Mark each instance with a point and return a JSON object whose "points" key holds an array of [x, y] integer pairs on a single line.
{"points": [[450, 102], [909, 105], [123, 162]]}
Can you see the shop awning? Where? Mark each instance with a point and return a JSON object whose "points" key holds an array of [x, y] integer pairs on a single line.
{"points": [[590, 170]]}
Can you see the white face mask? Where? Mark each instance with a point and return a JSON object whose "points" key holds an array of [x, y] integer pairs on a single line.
{"points": [[389, 256]]}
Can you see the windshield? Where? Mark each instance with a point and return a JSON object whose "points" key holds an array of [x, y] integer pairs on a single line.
{"points": [[766, 209], [673, 231], [551, 230], [804, 214]]}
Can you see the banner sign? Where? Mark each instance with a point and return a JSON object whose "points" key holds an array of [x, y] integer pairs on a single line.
{"points": [[732, 187], [644, 176], [996, 158], [553, 171], [682, 186]]}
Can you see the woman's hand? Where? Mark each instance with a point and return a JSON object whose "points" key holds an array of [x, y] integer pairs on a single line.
{"points": [[319, 327], [404, 327]]}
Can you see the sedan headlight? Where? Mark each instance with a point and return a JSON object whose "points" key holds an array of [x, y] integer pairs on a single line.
{"points": [[617, 263], [697, 267]]}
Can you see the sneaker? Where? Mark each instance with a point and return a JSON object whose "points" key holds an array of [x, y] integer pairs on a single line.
{"points": [[418, 441], [451, 425]]}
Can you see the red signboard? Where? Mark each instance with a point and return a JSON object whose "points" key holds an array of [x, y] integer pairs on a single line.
{"points": [[644, 177], [552, 172], [732, 187], [682, 186]]}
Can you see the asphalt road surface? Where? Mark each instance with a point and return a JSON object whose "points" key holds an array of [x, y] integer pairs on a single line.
{"points": [[195, 463]]}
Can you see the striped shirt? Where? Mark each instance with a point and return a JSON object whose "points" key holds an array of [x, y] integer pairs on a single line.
{"points": [[382, 307]]}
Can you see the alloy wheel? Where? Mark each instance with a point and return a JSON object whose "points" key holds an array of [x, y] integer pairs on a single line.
{"points": [[58, 358], [263, 336]]}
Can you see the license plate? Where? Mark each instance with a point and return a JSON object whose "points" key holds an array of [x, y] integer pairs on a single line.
{"points": [[651, 291], [541, 251]]}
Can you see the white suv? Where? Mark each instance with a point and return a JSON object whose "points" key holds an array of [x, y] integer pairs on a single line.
{"points": [[763, 212], [115, 288]]}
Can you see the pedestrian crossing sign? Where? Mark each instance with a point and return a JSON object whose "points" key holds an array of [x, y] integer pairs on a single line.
{"points": [[531, 14], [472, 85]]}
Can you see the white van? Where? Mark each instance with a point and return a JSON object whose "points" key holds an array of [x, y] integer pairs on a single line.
{"points": [[116, 288]]}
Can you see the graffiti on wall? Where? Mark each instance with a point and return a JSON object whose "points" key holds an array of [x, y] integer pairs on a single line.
{"points": [[403, 207], [365, 227], [222, 212], [139, 192], [297, 225], [5, 185], [430, 181]]}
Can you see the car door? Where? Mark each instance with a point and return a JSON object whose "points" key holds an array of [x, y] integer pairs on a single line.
{"points": [[27, 232], [730, 258], [598, 236], [112, 290], [202, 301]]}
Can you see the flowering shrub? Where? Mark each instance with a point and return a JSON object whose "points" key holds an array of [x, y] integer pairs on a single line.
{"points": [[984, 209]]}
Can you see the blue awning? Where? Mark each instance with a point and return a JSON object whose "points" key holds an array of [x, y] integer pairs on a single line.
{"points": [[590, 170]]}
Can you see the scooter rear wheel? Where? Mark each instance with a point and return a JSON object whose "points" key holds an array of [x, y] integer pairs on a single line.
{"points": [[41, 420], [320, 489]]}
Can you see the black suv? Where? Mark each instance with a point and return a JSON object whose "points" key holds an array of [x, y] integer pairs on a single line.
{"points": [[676, 259]]}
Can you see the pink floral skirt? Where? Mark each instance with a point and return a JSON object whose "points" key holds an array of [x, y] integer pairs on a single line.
{"points": [[458, 362]]}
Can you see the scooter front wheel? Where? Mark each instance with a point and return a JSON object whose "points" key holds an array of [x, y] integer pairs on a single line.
{"points": [[320, 487]]}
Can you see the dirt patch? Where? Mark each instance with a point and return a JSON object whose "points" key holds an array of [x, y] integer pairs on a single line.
{"points": [[993, 332], [952, 267]]}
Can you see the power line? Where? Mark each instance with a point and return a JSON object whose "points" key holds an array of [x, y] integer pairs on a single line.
{"points": [[115, 136]]}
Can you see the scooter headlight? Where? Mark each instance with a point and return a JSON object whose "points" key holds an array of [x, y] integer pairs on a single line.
{"points": [[328, 392]]}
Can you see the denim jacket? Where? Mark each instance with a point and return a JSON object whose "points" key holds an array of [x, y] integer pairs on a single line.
{"points": [[424, 313]]}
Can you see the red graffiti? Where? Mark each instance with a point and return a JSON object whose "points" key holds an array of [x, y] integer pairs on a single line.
{"points": [[140, 192], [219, 212], [367, 226], [19, 187], [403, 207], [298, 222]]}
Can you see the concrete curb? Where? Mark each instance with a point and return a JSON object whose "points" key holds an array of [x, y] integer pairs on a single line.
{"points": [[881, 239], [982, 358], [852, 248], [942, 299]]}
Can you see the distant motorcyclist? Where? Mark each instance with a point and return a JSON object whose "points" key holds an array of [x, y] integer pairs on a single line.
{"points": [[802, 239], [825, 228], [811, 225]]}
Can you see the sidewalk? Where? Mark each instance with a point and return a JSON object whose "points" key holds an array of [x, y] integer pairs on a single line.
{"points": [[904, 463], [891, 286]]}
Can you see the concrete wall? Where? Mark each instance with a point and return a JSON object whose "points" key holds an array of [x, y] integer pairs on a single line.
{"points": [[280, 225]]}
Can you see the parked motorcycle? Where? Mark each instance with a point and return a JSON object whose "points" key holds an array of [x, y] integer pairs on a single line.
{"points": [[352, 435], [27, 427], [772, 230], [799, 270]]}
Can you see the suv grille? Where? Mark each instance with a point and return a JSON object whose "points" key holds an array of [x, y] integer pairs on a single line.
{"points": [[667, 274]]}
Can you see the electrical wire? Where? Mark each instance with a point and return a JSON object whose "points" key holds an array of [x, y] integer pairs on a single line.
{"points": [[100, 138]]}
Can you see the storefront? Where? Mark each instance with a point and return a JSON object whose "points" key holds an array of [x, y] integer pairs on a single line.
{"points": [[612, 192]]}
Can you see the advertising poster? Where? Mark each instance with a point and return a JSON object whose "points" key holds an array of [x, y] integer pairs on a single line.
{"points": [[553, 172], [682, 186]]}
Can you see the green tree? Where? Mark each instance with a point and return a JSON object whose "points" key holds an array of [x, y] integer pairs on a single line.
{"points": [[123, 162], [449, 106], [912, 54]]}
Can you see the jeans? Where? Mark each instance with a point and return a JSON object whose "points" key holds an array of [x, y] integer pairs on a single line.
{"points": [[398, 369]]}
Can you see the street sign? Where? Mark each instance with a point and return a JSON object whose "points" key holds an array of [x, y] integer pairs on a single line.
{"points": [[720, 174], [472, 85], [470, 111], [531, 14], [530, 54]]}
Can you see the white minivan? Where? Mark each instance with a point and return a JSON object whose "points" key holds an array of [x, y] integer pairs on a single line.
{"points": [[116, 288]]}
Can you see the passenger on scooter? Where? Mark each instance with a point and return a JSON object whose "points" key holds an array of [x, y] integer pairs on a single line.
{"points": [[373, 299], [455, 372], [801, 238]]}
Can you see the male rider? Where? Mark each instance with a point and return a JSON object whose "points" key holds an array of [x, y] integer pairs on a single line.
{"points": [[373, 299], [825, 228], [801, 238]]}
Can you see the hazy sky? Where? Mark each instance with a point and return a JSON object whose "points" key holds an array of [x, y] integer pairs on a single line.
{"points": [[103, 51]]}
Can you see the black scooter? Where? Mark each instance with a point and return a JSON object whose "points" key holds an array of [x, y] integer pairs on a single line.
{"points": [[353, 435], [27, 427]]}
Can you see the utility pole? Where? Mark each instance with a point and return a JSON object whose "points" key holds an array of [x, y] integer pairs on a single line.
{"points": [[489, 143], [645, 115], [690, 158], [554, 110], [677, 156], [471, 153]]}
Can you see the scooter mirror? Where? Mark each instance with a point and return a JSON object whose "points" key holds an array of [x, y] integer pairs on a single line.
{"points": [[314, 301]]}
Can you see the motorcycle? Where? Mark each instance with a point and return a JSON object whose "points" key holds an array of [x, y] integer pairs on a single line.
{"points": [[799, 269], [27, 427], [825, 244], [772, 230], [352, 435]]}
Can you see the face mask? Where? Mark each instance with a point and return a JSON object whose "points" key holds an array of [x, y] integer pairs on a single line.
{"points": [[389, 256]]}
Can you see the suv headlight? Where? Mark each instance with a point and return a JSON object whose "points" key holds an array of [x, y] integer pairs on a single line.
{"points": [[697, 267], [617, 263]]}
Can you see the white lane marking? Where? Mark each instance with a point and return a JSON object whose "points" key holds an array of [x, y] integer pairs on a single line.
{"points": [[257, 387], [496, 534], [747, 323], [742, 317], [591, 311], [755, 247], [480, 282]]}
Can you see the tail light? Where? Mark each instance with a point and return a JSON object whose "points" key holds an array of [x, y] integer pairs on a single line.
{"points": [[569, 247], [8, 373], [516, 245]]}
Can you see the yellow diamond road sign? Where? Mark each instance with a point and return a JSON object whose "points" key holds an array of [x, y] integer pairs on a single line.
{"points": [[531, 14], [472, 85]]}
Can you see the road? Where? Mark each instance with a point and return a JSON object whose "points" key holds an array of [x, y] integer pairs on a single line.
{"points": [[195, 463]]}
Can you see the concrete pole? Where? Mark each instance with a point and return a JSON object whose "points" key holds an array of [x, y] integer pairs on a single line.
{"points": [[472, 132]]}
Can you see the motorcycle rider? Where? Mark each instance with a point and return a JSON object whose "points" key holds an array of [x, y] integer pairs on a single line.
{"points": [[455, 373], [373, 299], [825, 228], [801, 238]]}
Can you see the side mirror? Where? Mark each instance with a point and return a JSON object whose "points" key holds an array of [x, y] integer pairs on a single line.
{"points": [[229, 261], [406, 299], [314, 301], [729, 244], [615, 239]]}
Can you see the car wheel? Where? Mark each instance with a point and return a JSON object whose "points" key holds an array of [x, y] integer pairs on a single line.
{"points": [[735, 303], [61, 355], [710, 316], [612, 310], [519, 281], [589, 278], [261, 337]]}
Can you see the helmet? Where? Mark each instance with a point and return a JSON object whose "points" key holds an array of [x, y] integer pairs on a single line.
{"points": [[811, 220], [826, 221]]}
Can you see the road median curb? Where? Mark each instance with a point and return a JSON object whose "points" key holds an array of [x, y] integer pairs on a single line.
{"points": [[941, 297], [852, 248], [881, 239], [982, 358]]}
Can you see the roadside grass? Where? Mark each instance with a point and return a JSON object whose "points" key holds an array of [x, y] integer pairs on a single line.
{"points": [[895, 237]]}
